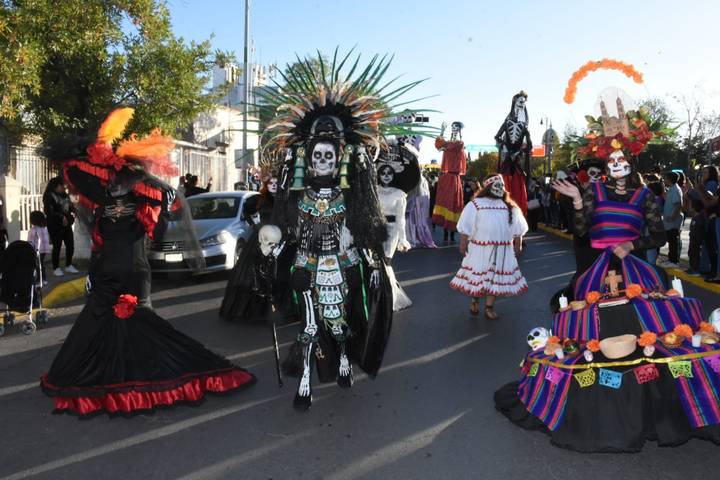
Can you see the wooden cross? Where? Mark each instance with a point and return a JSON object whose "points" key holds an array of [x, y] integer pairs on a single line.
{"points": [[613, 280]]}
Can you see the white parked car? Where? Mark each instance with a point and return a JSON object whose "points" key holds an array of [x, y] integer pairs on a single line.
{"points": [[221, 226]]}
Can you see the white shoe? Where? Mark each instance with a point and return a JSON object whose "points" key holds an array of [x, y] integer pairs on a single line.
{"points": [[71, 269], [58, 272], [45, 282]]}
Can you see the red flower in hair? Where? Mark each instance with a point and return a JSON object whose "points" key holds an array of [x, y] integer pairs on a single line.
{"points": [[103, 154], [125, 306]]}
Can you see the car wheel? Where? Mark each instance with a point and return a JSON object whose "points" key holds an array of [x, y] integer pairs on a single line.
{"points": [[238, 250]]}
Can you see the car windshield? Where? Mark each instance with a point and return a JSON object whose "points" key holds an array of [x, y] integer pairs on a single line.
{"points": [[214, 207]]}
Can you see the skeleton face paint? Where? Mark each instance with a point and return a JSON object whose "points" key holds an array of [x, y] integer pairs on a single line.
{"points": [[520, 103], [269, 237], [618, 166], [385, 176], [498, 188], [455, 127], [272, 186], [595, 174], [324, 159]]}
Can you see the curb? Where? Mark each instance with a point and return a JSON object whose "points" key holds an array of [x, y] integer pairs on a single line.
{"points": [[65, 292], [698, 282]]}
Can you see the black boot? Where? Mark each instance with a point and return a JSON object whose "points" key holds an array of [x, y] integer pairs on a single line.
{"points": [[445, 235]]}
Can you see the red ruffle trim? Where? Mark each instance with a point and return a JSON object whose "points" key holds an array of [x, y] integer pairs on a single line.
{"points": [[489, 270], [487, 243], [484, 291], [134, 401], [517, 281]]}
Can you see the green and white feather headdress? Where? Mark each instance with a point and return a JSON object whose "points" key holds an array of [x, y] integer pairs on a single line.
{"points": [[320, 99]]}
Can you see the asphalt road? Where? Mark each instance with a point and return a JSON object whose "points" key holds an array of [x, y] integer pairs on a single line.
{"points": [[429, 414]]}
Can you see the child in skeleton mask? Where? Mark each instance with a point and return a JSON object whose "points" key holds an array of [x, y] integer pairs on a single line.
{"points": [[491, 228]]}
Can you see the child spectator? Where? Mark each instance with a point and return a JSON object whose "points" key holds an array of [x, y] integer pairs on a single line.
{"points": [[39, 238]]}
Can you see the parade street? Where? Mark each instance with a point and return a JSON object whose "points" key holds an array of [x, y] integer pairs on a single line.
{"points": [[429, 413]]}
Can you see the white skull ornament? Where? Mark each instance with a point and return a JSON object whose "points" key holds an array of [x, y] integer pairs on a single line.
{"points": [[269, 238], [537, 338], [715, 319]]}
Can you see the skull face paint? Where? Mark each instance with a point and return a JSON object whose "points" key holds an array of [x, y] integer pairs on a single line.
{"points": [[324, 159], [272, 186], [269, 237], [386, 175], [595, 174], [498, 187], [617, 165]]}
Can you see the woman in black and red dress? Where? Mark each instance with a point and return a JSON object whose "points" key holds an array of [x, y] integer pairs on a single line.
{"points": [[120, 357]]}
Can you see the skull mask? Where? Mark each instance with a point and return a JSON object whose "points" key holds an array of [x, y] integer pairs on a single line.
{"points": [[537, 338], [269, 238], [386, 175], [498, 187], [595, 174], [324, 159], [617, 165]]}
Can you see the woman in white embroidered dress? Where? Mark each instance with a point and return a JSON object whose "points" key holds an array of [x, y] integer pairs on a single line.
{"points": [[491, 228], [392, 204]]}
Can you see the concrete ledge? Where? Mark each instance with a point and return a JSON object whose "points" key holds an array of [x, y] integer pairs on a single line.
{"points": [[672, 272], [65, 292]]}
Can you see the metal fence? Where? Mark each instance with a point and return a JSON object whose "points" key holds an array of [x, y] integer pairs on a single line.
{"points": [[30, 168], [205, 165]]}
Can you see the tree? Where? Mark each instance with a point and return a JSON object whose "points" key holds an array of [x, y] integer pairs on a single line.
{"points": [[700, 126], [65, 65], [483, 165]]}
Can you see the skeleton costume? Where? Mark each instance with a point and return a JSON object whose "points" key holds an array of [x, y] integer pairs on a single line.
{"points": [[579, 388], [514, 144], [120, 357], [396, 168], [449, 196], [328, 203], [260, 285]]}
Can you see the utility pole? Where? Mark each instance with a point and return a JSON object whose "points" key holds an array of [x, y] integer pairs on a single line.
{"points": [[246, 83]]}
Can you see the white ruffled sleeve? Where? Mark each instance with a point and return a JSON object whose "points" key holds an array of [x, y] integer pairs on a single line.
{"points": [[466, 223], [519, 226]]}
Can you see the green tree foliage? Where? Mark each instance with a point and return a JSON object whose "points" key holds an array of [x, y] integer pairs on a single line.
{"points": [[65, 64], [483, 165]]}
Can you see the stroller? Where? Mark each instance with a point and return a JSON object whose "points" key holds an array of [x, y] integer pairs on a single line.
{"points": [[21, 287]]}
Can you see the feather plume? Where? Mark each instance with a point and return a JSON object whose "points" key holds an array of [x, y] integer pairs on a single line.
{"points": [[114, 125]]}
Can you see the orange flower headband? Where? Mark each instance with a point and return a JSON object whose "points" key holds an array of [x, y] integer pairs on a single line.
{"points": [[592, 66]]}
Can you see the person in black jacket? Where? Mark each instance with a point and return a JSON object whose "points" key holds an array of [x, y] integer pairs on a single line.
{"points": [[60, 215]]}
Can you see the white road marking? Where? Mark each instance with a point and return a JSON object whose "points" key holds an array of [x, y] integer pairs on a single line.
{"points": [[136, 440], [395, 451], [431, 278]]}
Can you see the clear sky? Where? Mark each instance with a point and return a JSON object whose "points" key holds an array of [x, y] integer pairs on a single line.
{"points": [[477, 54]]}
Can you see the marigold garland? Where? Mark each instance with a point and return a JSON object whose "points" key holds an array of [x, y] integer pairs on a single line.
{"points": [[592, 66], [593, 297]]}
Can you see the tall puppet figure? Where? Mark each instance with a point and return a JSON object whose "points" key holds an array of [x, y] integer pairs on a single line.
{"points": [[514, 146], [449, 197], [121, 357], [328, 205]]}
